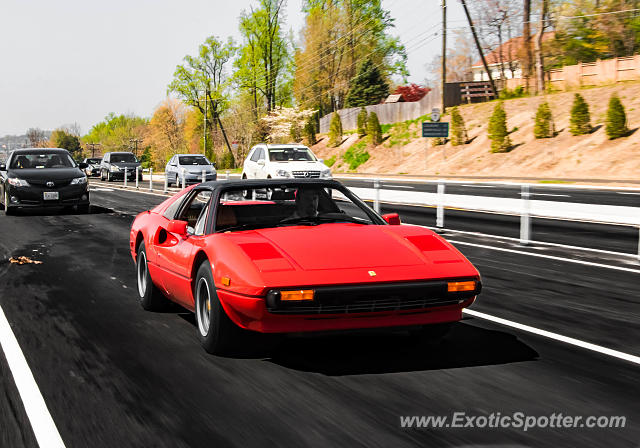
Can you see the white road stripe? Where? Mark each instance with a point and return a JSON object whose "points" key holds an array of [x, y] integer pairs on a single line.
{"points": [[397, 186], [548, 194], [478, 186], [42, 424], [550, 257], [555, 336]]}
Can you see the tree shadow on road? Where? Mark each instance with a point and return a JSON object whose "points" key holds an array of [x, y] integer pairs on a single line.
{"points": [[466, 345]]}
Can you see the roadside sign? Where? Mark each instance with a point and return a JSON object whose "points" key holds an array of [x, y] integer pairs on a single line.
{"points": [[435, 114], [438, 129]]}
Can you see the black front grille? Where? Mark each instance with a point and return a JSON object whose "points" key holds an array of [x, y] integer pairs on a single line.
{"points": [[374, 298], [306, 174], [56, 183]]}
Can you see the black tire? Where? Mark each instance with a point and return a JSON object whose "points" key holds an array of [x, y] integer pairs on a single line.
{"points": [[8, 211], [218, 334], [432, 334], [150, 297], [102, 175], [109, 179]]}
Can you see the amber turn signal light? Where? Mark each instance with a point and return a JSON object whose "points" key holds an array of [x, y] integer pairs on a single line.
{"points": [[303, 294], [461, 286]]}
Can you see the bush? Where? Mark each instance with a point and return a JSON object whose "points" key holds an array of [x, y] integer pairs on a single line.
{"points": [[374, 131], [616, 125], [356, 155], [500, 141], [518, 92], [335, 130], [227, 161], [544, 126], [580, 121], [458, 129], [362, 122], [330, 161], [310, 131]]}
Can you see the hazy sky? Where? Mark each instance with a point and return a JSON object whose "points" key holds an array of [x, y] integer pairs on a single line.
{"points": [[71, 61]]}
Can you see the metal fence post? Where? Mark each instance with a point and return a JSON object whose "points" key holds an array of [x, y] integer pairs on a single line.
{"points": [[204, 176], [228, 176], [440, 206], [183, 178], [126, 174], [376, 201], [166, 184], [525, 218], [137, 174], [150, 179]]}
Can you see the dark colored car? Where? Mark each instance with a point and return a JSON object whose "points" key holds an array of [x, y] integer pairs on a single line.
{"points": [[115, 164], [43, 177], [93, 166]]}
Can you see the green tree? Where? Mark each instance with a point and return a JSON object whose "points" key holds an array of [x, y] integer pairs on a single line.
{"points": [[458, 128], [544, 126], [500, 141], [115, 132], [616, 124], [580, 121], [60, 138], [310, 131], [202, 82], [335, 130], [367, 87], [374, 131], [362, 122]]}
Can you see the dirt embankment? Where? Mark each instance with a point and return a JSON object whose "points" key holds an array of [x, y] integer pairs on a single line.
{"points": [[591, 156]]}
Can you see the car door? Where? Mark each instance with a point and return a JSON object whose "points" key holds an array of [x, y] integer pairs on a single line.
{"points": [[170, 169], [174, 252], [249, 164], [261, 165]]}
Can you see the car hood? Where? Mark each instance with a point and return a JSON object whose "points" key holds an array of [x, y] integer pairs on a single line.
{"points": [[299, 166], [349, 253], [46, 174]]}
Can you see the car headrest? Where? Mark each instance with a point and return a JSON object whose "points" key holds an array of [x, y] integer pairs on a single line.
{"points": [[226, 216]]}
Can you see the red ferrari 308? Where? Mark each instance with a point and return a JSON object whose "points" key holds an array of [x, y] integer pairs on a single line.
{"points": [[290, 256]]}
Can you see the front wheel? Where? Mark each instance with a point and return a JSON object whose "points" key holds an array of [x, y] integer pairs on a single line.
{"points": [[216, 331], [7, 210], [151, 299], [109, 179]]}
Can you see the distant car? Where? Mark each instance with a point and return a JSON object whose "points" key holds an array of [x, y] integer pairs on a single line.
{"points": [[301, 262], [191, 167], [93, 168], [115, 164], [43, 177], [266, 161]]}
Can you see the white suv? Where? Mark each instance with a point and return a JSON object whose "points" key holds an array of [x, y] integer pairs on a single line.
{"points": [[283, 161]]}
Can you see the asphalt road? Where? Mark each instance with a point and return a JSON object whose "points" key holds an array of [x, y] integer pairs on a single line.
{"points": [[114, 375]]}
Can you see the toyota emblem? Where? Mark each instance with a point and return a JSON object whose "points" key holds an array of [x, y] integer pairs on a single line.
{"points": [[50, 184]]}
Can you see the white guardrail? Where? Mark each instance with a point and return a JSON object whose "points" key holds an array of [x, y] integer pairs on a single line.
{"points": [[525, 207]]}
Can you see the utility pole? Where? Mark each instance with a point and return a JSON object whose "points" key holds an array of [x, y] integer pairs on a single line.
{"points": [[475, 38], [134, 142], [444, 52], [93, 148]]}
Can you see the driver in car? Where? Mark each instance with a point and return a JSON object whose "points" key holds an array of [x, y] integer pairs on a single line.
{"points": [[306, 203]]}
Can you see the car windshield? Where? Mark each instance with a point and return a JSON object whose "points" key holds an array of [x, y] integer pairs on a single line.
{"points": [[193, 160], [289, 154], [94, 161], [123, 158], [290, 205], [40, 160]]}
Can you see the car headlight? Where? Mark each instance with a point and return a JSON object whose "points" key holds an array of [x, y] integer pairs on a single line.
{"points": [[17, 182], [325, 174], [79, 181], [283, 173], [114, 168]]}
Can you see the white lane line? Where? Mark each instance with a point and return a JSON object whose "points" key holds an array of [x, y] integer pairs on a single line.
{"points": [[478, 186], [397, 186], [101, 189], [626, 192], [535, 242], [555, 336], [42, 424], [547, 194], [550, 257]]}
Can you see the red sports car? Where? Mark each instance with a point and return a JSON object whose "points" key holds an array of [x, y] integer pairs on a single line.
{"points": [[295, 255]]}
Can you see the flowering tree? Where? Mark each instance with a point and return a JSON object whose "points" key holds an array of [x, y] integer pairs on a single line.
{"points": [[412, 92], [285, 123]]}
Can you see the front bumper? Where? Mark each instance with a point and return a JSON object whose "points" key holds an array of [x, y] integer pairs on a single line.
{"points": [[252, 313], [131, 175], [194, 178], [33, 196]]}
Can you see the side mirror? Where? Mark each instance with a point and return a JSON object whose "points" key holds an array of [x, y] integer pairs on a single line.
{"points": [[321, 160], [177, 227], [83, 165], [3, 167], [392, 219]]}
